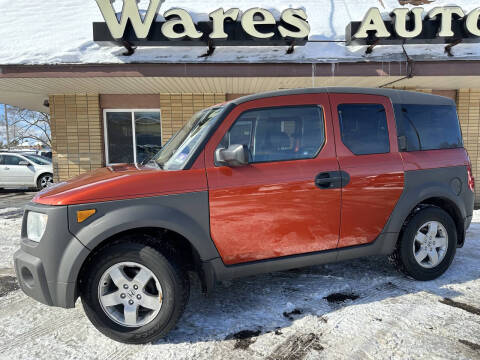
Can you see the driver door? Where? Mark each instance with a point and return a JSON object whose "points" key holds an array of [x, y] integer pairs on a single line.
{"points": [[16, 174], [282, 203]]}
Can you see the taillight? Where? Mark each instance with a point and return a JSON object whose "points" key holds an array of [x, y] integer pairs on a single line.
{"points": [[471, 179]]}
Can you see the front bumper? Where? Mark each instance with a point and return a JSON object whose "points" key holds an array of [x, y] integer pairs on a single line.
{"points": [[48, 271]]}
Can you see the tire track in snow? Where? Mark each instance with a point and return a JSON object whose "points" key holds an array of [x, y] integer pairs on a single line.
{"points": [[466, 307], [123, 352], [296, 347], [11, 300], [46, 327]]}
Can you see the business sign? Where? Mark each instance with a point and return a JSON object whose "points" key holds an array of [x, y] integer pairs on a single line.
{"points": [[447, 24], [254, 27]]}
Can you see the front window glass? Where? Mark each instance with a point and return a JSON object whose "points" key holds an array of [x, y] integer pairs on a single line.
{"points": [[12, 160], [175, 154], [278, 134], [40, 160]]}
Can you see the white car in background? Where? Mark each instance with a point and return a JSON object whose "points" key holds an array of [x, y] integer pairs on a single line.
{"points": [[25, 170]]}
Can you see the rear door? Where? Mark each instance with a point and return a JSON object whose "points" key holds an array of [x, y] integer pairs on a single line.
{"points": [[281, 203], [367, 149]]}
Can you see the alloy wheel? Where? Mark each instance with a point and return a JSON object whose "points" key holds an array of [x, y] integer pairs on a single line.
{"points": [[430, 244], [130, 294], [46, 181]]}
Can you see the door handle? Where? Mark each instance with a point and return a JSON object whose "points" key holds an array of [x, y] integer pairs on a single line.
{"points": [[332, 179]]}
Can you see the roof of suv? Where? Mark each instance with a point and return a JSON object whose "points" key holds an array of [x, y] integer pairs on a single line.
{"points": [[396, 96]]}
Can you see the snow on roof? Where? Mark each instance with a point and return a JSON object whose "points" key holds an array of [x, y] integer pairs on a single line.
{"points": [[60, 32]]}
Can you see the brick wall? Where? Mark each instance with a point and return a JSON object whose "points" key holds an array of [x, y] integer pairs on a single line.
{"points": [[77, 140], [468, 105], [176, 109]]}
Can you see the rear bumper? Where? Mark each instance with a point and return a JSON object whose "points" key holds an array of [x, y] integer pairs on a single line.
{"points": [[47, 271]]}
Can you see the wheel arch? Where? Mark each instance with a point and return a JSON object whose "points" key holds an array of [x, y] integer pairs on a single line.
{"points": [[41, 173], [423, 188], [452, 209], [441, 200], [159, 238]]}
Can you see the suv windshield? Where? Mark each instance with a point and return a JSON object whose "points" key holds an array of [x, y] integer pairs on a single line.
{"points": [[40, 160], [176, 152]]}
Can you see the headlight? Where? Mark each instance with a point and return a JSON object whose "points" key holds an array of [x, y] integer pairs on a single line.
{"points": [[36, 224]]}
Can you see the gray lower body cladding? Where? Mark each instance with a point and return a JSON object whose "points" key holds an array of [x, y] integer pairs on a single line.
{"points": [[446, 187], [48, 270]]}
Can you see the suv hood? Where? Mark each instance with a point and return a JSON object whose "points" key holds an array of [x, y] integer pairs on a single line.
{"points": [[120, 182]]}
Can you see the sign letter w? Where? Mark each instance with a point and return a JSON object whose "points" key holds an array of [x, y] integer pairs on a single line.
{"points": [[129, 11]]}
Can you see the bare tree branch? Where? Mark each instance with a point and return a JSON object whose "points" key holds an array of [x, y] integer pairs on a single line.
{"points": [[25, 125]]}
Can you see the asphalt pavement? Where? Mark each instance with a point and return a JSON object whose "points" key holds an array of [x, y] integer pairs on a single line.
{"points": [[15, 198]]}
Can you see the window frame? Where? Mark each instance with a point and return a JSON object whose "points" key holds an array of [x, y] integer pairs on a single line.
{"points": [[134, 133], [341, 127], [252, 135]]}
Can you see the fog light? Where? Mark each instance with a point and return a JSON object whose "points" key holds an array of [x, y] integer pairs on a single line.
{"points": [[27, 277], [36, 224]]}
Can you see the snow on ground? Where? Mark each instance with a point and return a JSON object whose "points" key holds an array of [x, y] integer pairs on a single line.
{"points": [[51, 31], [10, 224], [360, 309]]}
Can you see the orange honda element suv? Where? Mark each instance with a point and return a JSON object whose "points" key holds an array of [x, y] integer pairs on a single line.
{"points": [[262, 183]]}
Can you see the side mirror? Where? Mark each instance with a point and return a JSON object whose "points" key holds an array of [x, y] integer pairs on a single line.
{"points": [[235, 155], [23, 162]]}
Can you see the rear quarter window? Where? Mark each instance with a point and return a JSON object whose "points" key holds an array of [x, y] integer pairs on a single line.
{"points": [[428, 127]]}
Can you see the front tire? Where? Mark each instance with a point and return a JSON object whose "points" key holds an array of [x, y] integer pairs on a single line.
{"points": [[427, 244], [45, 180], [133, 293]]}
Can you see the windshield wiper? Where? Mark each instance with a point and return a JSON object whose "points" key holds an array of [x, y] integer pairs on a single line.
{"points": [[151, 161]]}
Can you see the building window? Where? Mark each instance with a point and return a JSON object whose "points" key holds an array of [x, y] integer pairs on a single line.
{"points": [[131, 136]]}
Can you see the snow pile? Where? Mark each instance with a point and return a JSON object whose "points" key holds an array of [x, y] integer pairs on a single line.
{"points": [[51, 31]]}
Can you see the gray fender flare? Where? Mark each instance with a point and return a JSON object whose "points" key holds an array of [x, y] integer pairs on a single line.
{"points": [[421, 185], [185, 214]]}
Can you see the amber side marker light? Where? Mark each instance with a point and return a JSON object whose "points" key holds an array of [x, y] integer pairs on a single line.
{"points": [[83, 215]]}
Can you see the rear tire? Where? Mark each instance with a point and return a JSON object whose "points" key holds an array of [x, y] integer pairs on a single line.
{"points": [[165, 273], [427, 244]]}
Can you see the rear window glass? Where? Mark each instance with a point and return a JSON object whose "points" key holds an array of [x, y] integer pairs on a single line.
{"points": [[364, 128], [428, 127]]}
